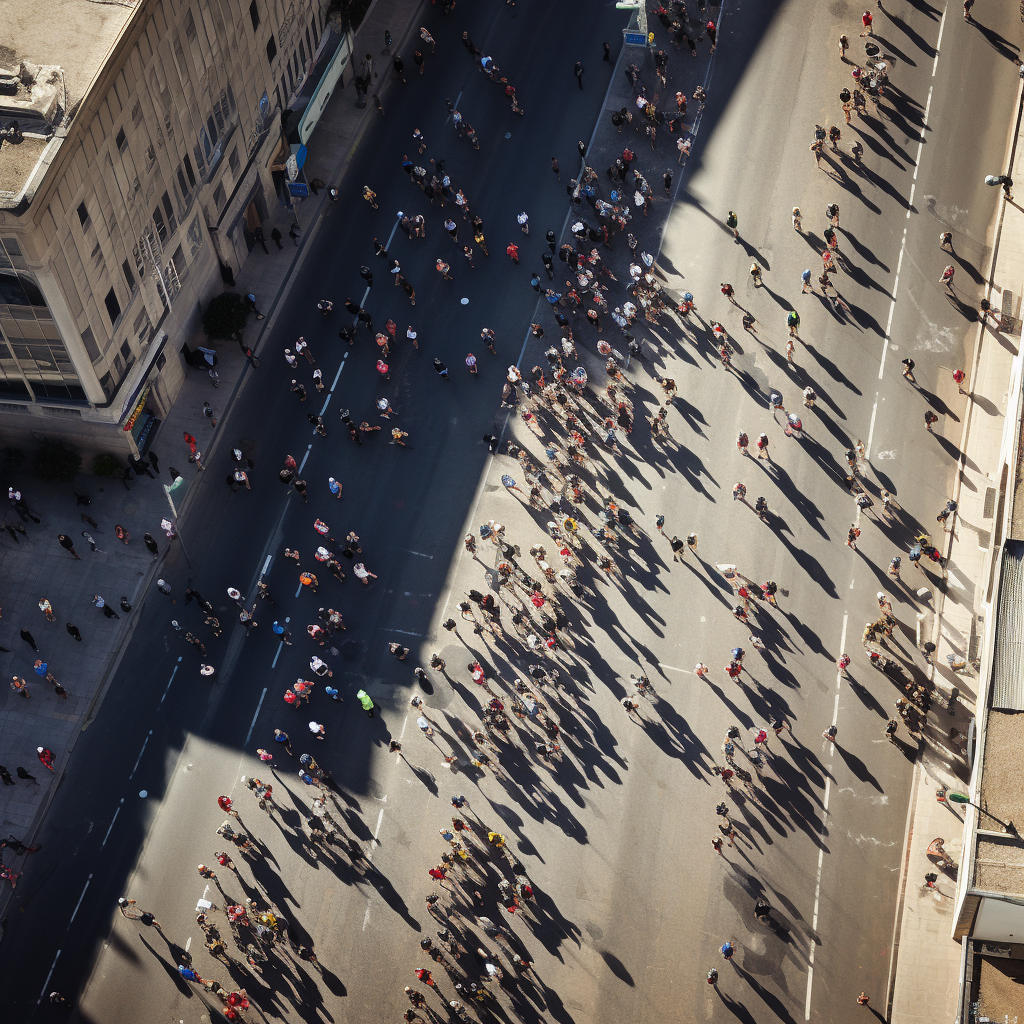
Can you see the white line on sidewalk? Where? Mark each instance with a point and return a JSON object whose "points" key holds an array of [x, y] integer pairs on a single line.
{"points": [[79, 903], [252, 724]]}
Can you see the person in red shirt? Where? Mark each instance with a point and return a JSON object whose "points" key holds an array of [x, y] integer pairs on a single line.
{"points": [[224, 803], [866, 19]]}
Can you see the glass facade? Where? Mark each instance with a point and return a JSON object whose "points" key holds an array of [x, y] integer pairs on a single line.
{"points": [[33, 360]]}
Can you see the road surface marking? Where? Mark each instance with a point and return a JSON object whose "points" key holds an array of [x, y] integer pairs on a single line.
{"points": [[419, 554], [280, 647], [938, 43], [141, 752], [252, 724], [79, 903], [169, 681], [304, 457], [871, 429], [892, 305], [46, 984], [112, 820]]}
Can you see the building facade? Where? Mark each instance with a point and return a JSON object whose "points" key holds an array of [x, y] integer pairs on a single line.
{"points": [[141, 148]]}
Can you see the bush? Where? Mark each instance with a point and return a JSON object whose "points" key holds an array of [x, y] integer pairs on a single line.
{"points": [[225, 316], [106, 465], [54, 460]]}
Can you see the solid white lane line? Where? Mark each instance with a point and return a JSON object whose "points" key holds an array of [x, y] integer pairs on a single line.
{"points": [[871, 429], [79, 903], [141, 752], [169, 681], [112, 820], [892, 305], [46, 984], [302, 464], [252, 724], [938, 45]]}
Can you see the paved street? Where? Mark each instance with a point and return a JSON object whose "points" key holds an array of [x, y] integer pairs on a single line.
{"points": [[633, 903]]}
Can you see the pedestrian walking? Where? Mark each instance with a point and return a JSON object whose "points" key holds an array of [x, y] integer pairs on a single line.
{"points": [[578, 72], [68, 545]]}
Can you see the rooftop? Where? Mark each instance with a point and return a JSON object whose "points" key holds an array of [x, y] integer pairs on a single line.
{"points": [[58, 47]]}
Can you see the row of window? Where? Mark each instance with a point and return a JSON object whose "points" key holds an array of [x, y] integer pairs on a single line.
{"points": [[294, 69]]}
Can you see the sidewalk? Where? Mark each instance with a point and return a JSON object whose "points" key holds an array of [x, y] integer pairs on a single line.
{"points": [[37, 566], [926, 958]]}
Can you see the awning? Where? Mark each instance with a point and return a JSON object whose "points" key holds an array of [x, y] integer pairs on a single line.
{"points": [[331, 61]]}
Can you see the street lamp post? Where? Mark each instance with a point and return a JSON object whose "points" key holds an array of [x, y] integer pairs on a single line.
{"points": [[169, 489], [963, 798]]}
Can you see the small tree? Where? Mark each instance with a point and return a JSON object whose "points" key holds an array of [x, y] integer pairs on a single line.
{"points": [[106, 464], [55, 460], [225, 316]]}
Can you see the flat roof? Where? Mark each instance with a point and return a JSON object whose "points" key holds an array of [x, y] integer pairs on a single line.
{"points": [[74, 36], [999, 988]]}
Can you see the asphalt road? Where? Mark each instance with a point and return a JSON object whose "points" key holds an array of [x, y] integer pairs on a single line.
{"points": [[634, 901]]}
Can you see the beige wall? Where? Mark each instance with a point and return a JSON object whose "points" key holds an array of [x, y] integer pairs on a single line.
{"points": [[162, 138]]}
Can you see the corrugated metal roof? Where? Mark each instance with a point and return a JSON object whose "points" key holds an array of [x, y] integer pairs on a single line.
{"points": [[1008, 659]]}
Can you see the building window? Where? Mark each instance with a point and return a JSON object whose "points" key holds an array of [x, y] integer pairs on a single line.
{"points": [[113, 306], [10, 254], [291, 79], [233, 161], [129, 277], [212, 128], [178, 262], [169, 210], [189, 172], [310, 46], [161, 361], [218, 196], [227, 98], [271, 49], [254, 14], [121, 141], [90, 345], [277, 96], [158, 222], [316, 36], [137, 113], [126, 351], [183, 186], [83, 214], [197, 152], [142, 326], [302, 53]]}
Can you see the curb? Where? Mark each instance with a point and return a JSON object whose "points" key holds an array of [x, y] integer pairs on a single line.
{"points": [[894, 948]]}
